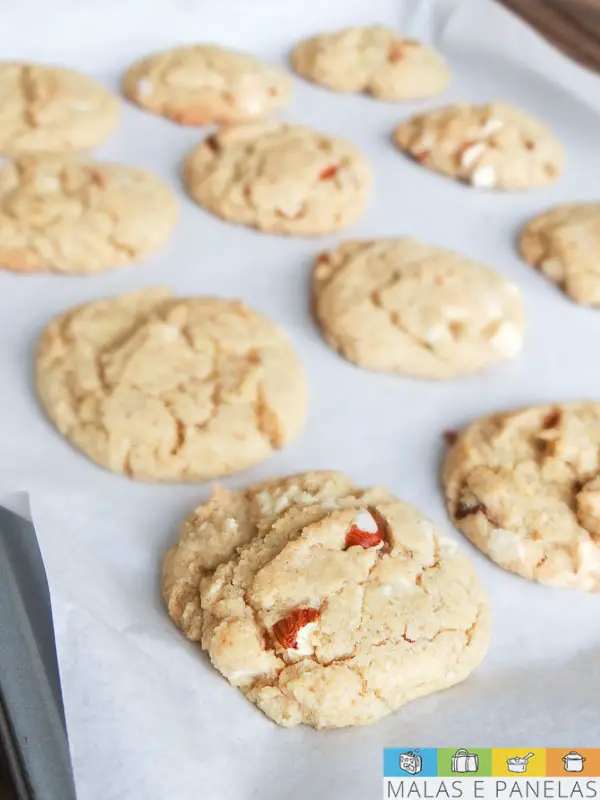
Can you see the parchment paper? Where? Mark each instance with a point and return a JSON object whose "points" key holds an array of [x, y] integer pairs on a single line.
{"points": [[148, 716]]}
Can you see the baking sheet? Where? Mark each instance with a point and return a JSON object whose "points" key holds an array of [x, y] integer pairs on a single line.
{"points": [[148, 717]]}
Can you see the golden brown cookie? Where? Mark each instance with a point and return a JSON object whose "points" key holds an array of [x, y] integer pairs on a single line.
{"points": [[52, 109], [564, 244], [202, 84], [61, 215], [279, 178], [524, 487], [323, 603], [399, 305], [374, 60], [493, 146], [163, 388]]}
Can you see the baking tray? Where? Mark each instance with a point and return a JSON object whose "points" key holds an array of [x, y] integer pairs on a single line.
{"points": [[33, 734]]}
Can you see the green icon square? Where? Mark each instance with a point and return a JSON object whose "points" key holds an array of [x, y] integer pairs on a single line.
{"points": [[464, 762]]}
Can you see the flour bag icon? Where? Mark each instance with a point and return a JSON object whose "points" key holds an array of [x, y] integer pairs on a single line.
{"points": [[463, 761]]}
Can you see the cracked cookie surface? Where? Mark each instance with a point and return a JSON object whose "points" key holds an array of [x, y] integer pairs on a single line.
{"points": [[325, 604], [162, 388], [211, 534], [524, 487], [493, 146], [374, 60], [67, 216], [202, 84], [281, 178], [52, 109], [402, 306], [564, 244]]}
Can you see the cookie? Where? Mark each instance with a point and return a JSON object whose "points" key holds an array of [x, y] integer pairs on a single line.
{"points": [[398, 305], [374, 60], [202, 84], [494, 146], [52, 109], [323, 603], [564, 244], [523, 486], [163, 388], [66, 216], [280, 178]]}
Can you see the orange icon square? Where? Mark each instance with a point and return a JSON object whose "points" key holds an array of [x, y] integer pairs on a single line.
{"points": [[573, 761]]}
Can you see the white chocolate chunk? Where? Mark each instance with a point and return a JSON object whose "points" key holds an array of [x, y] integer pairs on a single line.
{"points": [[447, 547], [212, 587], [280, 504], [588, 556], [144, 86], [252, 105], [491, 126], [293, 494], [437, 333], [400, 587], [508, 339], [484, 177], [241, 676], [264, 502], [305, 640], [306, 499], [364, 521], [505, 546], [471, 154], [427, 140], [231, 525]]}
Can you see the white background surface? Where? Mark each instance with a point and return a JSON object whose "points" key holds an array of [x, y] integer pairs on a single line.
{"points": [[148, 717]]}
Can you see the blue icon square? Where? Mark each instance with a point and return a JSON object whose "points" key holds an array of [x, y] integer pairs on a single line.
{"points": [[410, 762]]}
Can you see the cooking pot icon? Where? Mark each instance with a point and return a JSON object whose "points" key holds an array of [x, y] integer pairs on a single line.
{"points": [[573, 762], [518, 763]]}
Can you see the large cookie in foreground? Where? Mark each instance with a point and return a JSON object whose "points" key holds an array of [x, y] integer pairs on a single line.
{"points": [[325, 604]]}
